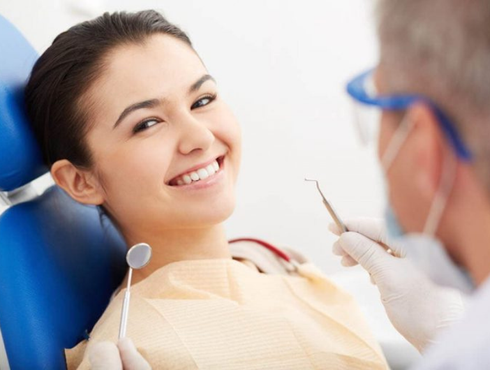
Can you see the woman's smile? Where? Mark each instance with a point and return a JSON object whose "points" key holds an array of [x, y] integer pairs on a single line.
{"points": [[201, 176], [198, 172]]}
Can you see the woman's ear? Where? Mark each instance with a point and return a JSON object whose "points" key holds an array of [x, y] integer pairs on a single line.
{"points": [[80, 184]]}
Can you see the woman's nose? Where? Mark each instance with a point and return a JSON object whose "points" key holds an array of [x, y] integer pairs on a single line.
{"points": [[195, 135]]}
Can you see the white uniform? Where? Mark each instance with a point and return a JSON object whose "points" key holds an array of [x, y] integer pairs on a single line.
{"points": [[466, 345]]}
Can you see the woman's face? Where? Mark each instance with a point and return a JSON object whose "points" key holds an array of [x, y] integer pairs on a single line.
{"points": [[166, 148]]}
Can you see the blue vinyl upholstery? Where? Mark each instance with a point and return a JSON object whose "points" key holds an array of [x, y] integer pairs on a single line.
{"points": [[59, 264], [22, 162]]}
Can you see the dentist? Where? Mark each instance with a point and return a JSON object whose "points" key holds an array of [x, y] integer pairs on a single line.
{"points": [[432, 90]]}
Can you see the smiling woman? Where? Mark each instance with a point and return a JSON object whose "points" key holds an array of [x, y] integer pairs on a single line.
{"points": [[129, 119], [156, 116]]}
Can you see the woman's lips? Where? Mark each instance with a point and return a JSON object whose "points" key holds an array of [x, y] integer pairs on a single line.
{"points": [[198, 174]]}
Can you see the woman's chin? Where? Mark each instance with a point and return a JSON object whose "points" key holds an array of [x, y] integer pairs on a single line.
{"points": [[206, 215], [215, 215]]}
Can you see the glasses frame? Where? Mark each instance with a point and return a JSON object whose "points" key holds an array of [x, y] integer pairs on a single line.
{"points": [[356, 88]]}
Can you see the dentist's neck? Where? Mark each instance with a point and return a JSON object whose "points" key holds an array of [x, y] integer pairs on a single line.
{"points": [[467, 231], [470, 246], [181, 245]]}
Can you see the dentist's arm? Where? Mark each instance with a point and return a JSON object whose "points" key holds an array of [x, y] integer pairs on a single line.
{"points": [[417, 307], [108, 356]]}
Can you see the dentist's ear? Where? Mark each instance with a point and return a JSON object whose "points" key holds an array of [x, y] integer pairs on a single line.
{"points": [[430, 149], [80, 184]]}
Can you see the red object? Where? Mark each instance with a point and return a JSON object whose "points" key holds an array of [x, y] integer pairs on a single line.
{"points": [[269, 246]]}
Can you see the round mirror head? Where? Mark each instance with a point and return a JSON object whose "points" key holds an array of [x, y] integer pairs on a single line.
{"points": [[138, 255]]}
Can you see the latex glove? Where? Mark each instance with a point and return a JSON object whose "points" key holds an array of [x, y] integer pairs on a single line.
{"points": [[417, 308], [108, 356]]}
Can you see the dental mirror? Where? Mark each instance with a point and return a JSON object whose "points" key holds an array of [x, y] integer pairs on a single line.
{"points": [[137, 257]]}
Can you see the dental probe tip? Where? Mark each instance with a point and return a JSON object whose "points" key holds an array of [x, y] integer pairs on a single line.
{"points": [[318, 187], [310, 180]]}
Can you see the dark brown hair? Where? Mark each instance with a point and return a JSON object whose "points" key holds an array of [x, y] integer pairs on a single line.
{"points": [[67, 69]]}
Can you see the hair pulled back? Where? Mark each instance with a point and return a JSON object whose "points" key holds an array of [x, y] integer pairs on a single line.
{"points": [[68, 68]]}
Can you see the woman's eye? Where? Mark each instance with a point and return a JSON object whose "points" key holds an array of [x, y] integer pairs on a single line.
{"points": [[145, 125], [203, 101]]}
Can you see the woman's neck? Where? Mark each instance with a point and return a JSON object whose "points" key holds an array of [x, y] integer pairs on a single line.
{"points": [[180, 245]]}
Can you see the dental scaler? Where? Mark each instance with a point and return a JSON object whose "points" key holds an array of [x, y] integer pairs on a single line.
{"points": [[330, 209]]}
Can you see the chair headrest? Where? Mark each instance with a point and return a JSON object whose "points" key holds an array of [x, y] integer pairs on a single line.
{"points": [[20, 156]]}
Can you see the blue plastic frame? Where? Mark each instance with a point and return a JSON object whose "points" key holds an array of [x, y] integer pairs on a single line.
{"points": [[356, 89]]}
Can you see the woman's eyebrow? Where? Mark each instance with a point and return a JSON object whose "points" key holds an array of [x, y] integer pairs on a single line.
{"points": [[144, 104], [196, 85]]}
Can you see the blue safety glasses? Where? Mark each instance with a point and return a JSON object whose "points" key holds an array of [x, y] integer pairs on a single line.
{"points": [[369, 106]]}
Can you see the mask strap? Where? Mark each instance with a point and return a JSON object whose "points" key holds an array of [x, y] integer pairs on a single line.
{"points": [[396, 143], [439, 204]]}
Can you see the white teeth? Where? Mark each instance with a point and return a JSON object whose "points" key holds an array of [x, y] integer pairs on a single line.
{"points": [[211, 170], [203, 174], [200, 174]]}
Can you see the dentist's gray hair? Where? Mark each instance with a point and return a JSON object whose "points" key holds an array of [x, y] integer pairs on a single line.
{"points": [[441, 48]]}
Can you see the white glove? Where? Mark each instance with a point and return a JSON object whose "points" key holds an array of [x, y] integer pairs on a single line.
{"points": [[417, 308], [106, 356]]}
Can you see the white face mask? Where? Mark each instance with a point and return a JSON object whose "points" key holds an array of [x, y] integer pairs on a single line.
{"points": [[424, 249]]}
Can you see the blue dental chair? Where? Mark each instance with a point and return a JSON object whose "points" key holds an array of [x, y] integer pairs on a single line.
{"points": [[59, 262]]}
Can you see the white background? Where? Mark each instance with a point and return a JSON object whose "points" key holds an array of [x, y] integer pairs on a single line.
{"points": [[282, 66]]}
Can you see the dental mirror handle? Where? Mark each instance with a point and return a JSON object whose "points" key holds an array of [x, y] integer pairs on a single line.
{"points": [[124, 315], [125, 308]]}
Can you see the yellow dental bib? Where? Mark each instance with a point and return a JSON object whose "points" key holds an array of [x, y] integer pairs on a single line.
{"points": [[222, 314]]}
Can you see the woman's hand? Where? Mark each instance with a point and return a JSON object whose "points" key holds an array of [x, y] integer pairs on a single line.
{"points": [[108, 356]]}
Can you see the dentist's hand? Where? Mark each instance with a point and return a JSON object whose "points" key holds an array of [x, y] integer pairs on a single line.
{"points": [[108, 356], [417, 307]]}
